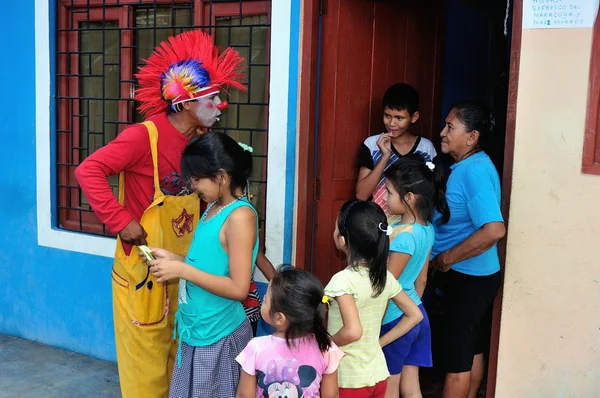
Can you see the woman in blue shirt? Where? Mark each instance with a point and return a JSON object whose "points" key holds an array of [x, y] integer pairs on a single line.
{"points": [[465, 249]]}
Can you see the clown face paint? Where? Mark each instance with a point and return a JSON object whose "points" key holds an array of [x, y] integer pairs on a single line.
{"points": [[206, 110]]}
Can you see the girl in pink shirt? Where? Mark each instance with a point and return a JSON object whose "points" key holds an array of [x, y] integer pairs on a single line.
{"points": [[299, 359]]}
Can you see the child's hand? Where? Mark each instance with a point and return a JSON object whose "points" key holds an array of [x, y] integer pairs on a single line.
{"points": [[158, 254], [384, 142], [162, 253], [165, 269]]}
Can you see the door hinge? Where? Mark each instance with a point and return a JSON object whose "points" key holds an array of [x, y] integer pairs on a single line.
{"points": [[316, 189], [322, 7]]}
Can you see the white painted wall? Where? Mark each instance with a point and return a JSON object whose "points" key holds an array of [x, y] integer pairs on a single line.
{"points": [[550, 327], [278, 119]]}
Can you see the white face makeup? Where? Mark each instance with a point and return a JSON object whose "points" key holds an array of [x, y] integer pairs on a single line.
{"points": [[206, 110]]}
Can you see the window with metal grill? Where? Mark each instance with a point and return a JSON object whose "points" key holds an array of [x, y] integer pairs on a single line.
{"points": [[101, 43]]}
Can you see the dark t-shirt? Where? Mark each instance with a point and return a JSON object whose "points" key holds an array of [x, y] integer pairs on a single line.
{"points": [[369, 152]]}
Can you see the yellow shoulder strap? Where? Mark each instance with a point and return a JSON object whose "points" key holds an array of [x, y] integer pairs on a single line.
{"points": [[153, 135]]}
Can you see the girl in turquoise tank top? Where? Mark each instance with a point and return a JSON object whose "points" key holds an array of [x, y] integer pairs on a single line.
{"points": [[215, 275]]}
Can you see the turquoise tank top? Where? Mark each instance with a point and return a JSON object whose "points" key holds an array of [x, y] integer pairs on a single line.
{"points": [[204, 318]]}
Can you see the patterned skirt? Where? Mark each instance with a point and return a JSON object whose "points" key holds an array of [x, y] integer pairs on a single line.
{"points": [[211, 371]]}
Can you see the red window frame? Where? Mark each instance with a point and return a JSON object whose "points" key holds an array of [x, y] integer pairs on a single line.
{"points": [[75, 217], [591, 143], [71, 214]]}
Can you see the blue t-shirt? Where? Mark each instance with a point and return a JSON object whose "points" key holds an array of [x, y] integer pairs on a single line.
{"points": [[416, 240], [473, 195]]}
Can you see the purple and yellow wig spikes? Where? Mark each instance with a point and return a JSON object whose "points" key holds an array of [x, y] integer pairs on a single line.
{"points": [[183, 79]]}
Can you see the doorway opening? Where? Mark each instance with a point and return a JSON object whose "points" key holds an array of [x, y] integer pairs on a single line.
{"points": [[449, 50]]}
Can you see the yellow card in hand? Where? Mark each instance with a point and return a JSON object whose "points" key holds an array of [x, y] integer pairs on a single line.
{"points": [[147, 252]]}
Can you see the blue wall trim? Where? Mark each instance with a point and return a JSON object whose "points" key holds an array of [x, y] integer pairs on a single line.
{"points": [[291, 132]]}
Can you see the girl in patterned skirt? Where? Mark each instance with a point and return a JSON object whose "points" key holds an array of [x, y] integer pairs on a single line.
{"points": [[215, 275]]}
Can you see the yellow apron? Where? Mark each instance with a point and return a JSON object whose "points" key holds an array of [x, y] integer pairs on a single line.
{"points": [[144, 309]]}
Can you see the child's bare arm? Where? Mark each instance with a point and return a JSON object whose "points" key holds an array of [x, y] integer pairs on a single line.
{"points": [[368, 179], [422, 278], [265, 266], [397, 263], [247, 386], [240, 235], [329, 386], [352, 329], [411, 317]]}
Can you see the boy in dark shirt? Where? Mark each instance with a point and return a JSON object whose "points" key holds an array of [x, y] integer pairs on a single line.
{"points": [[378, 152]]}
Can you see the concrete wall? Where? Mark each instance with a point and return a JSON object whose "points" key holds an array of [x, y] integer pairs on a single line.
{"points": [[550, 331]]}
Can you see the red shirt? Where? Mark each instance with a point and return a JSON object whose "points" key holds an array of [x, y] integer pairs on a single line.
{"points": [[130, 152]]}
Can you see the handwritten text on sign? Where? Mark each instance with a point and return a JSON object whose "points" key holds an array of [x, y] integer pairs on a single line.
{"points": [[547, 14]]}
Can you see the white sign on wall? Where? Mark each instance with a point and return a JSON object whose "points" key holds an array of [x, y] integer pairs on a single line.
{"points": [[559, 14]]}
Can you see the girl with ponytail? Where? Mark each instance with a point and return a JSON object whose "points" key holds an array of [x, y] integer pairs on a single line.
{"points": [[298, 359], [360, 294], [215, 274], [415, 189]]}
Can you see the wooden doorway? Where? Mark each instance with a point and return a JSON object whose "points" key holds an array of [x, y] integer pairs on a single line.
{"points": [[336, 112], [364, 47]]}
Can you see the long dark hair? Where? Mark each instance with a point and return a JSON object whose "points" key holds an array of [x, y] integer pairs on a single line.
{"points": [[363, 225], [412, 174], [211, 153], [299, 295], [476, 116]]}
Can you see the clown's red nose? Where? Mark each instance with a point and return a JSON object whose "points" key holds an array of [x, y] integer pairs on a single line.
{"points": [[223, 105]]}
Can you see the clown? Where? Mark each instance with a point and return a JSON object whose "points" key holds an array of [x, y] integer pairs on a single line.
{"points": [[179, 96]]}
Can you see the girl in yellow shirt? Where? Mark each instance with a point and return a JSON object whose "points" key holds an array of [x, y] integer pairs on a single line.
{"points": [[362, 292]]}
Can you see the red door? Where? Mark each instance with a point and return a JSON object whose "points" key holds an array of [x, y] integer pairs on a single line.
{"points": [[365, 47]]}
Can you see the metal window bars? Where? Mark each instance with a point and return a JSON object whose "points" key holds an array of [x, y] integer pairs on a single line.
{"points": [[100, 44]]}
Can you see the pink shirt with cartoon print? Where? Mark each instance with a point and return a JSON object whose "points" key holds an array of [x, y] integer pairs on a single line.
{"points": [[297, 371]]}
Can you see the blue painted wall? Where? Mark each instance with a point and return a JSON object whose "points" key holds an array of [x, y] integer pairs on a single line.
{"points": [[55, 297]]}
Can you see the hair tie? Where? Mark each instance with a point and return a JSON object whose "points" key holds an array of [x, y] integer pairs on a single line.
{"points": [[430, 165], [383, 227], [246, 147], [325, 300]]}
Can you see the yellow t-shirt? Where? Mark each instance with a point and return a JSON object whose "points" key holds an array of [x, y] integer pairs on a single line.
{"points": [[364, 364]]}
